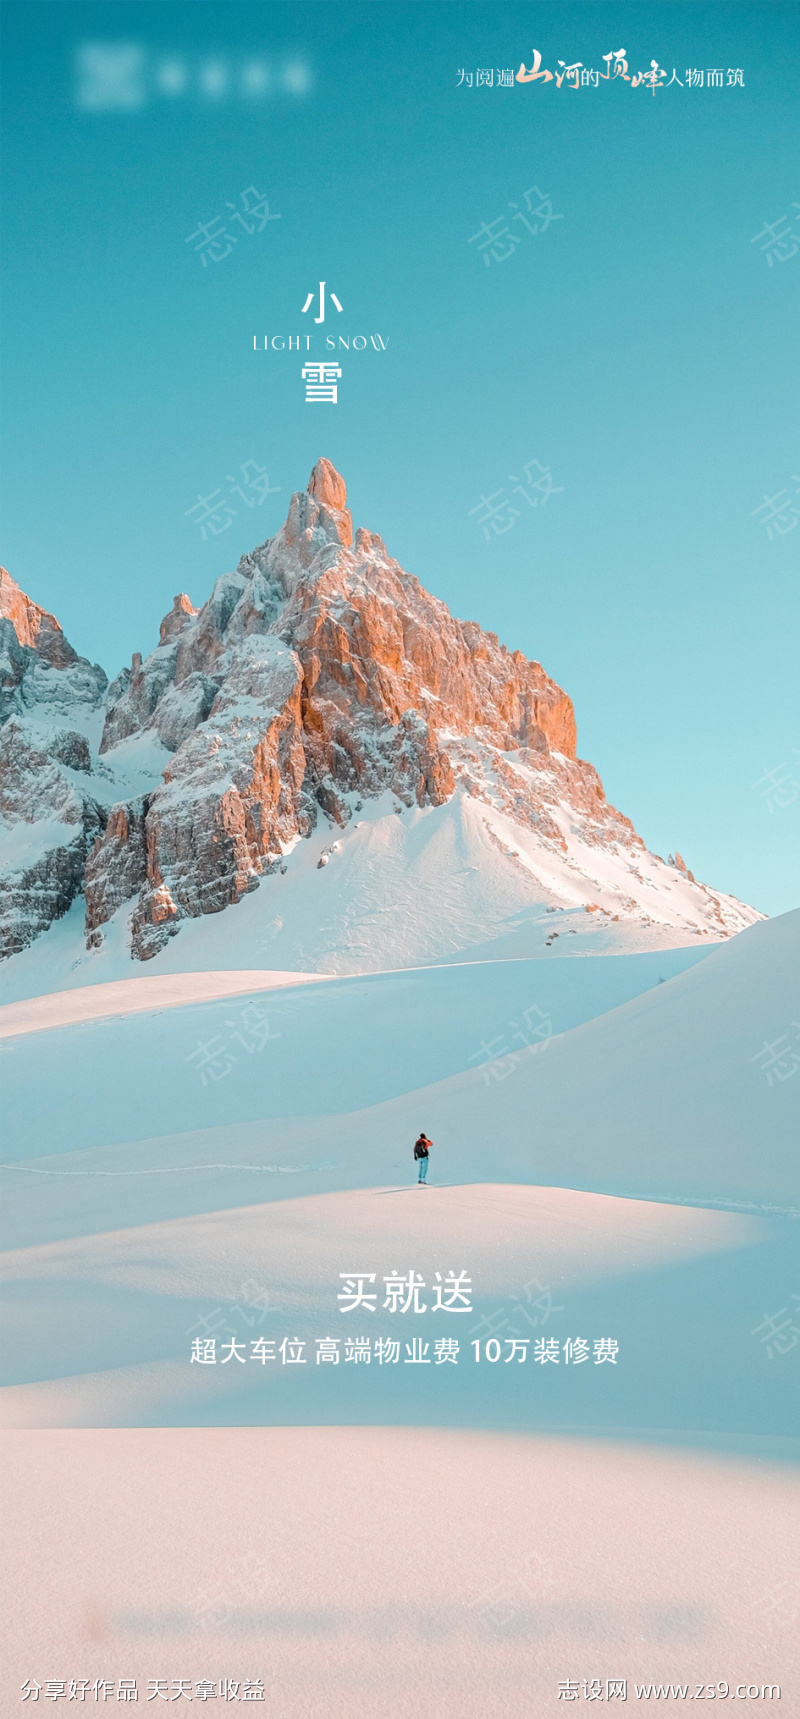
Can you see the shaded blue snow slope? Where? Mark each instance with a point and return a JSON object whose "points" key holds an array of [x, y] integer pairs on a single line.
{"points": [[689, 1092], [332, 1048], [664, 1098]]}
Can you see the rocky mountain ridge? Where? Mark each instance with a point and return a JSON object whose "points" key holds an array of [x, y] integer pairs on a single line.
{"points": [[318, 678]]}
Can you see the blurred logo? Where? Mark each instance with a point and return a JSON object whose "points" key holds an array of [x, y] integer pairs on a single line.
{"points": [[125, 77]]}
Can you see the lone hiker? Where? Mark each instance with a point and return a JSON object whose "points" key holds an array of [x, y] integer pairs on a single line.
{"points": [[422, 1147]]}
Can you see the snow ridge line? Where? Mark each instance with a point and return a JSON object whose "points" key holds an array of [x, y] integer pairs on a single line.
{"points": [[763, 1208], [757, 1206]]}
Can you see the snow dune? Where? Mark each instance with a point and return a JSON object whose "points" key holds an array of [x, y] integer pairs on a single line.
{"points": [[103, 1324], [136, 996], [394, 1573]]}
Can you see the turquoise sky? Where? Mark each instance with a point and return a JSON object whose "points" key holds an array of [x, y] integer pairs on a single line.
{"points": [[641, 347]]}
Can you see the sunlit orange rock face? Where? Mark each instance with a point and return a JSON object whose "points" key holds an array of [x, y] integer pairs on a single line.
{"points": [[318, 676], [319, 672], [34, 628]]}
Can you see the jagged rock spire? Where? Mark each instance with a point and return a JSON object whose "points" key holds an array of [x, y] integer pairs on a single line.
{"points": [[328, 486], [35, 628], [177, 618]]}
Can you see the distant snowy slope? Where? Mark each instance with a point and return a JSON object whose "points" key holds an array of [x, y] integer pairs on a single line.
{"points": [[404, 888]]}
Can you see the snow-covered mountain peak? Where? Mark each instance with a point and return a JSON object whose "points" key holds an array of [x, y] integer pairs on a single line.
{"points": [[320, 681]]}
